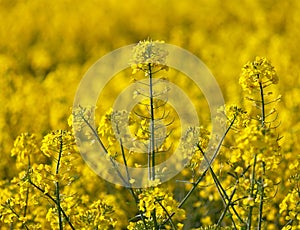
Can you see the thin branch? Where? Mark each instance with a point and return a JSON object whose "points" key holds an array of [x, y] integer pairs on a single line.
{"points": [[205, 171], [167, 213], [151, 153], [222, 192], [249, 221], [261, 201], [57, 189], [54, 201]]}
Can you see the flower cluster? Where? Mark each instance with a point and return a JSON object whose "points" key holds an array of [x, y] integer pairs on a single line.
{"points": [[290, 206], [235, 114], [194, 136], [161, 202], [25, 145], [259, 71], [45, 187], [147, 53]]}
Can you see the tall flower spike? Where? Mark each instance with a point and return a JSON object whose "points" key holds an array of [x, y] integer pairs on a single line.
{"points": [[149, 58]]}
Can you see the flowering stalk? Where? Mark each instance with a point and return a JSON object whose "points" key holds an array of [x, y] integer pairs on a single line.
{"points": [[27, 188], [85, 119], [167, 213], [151, 153], [261, 201], [149, 57], [261, 185], [249, 221], [57, 192], [256, 76], [263, 116], [83, 116], [118, 122]]}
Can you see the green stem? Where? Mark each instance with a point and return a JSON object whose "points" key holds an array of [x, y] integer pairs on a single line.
{"points": [[168, 215], [27, 189], [128, 178], [263, 118], [105, 150], [227, 209], [123, 156], [205, 171], [118, 171], [263, 115], [261, 201], [209, 164], [54, 201], [155, 220], [94, 132], [249, 221], [151, 154], [57, 189], [222, 193]]}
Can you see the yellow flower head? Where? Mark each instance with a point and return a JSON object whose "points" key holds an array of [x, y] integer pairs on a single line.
{"points": [[259, 71], [160, 200], [234, 112], [147, 53], [25, 145], [58, 141]]}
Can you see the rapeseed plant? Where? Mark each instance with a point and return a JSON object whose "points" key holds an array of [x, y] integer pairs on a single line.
{"points": [[253, 182]]}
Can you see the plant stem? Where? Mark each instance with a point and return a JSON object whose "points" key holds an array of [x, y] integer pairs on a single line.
{"points": [[155, 220], [17, 215], [249, 221], [168, 215], [205, 171], [209, 164], [27, 189], [222, 192], [227, 209], [123, 156], [261, 201], [54, 201], [263, 116], [128, 185], [151, 154], [57, 189], [105, 150], [128, 178]]}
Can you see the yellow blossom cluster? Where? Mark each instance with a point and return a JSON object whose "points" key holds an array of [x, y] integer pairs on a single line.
{"points": [[259, 71], [159, 201], [146, 53]]}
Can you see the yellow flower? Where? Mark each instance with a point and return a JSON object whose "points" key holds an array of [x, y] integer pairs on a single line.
{"points": [[146, 53], [193, 137], [24, 146], [160, 200], [259, 71], [58, 141]]}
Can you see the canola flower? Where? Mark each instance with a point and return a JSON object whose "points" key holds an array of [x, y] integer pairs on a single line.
{"points": [[147, 53], [256, 73]]}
